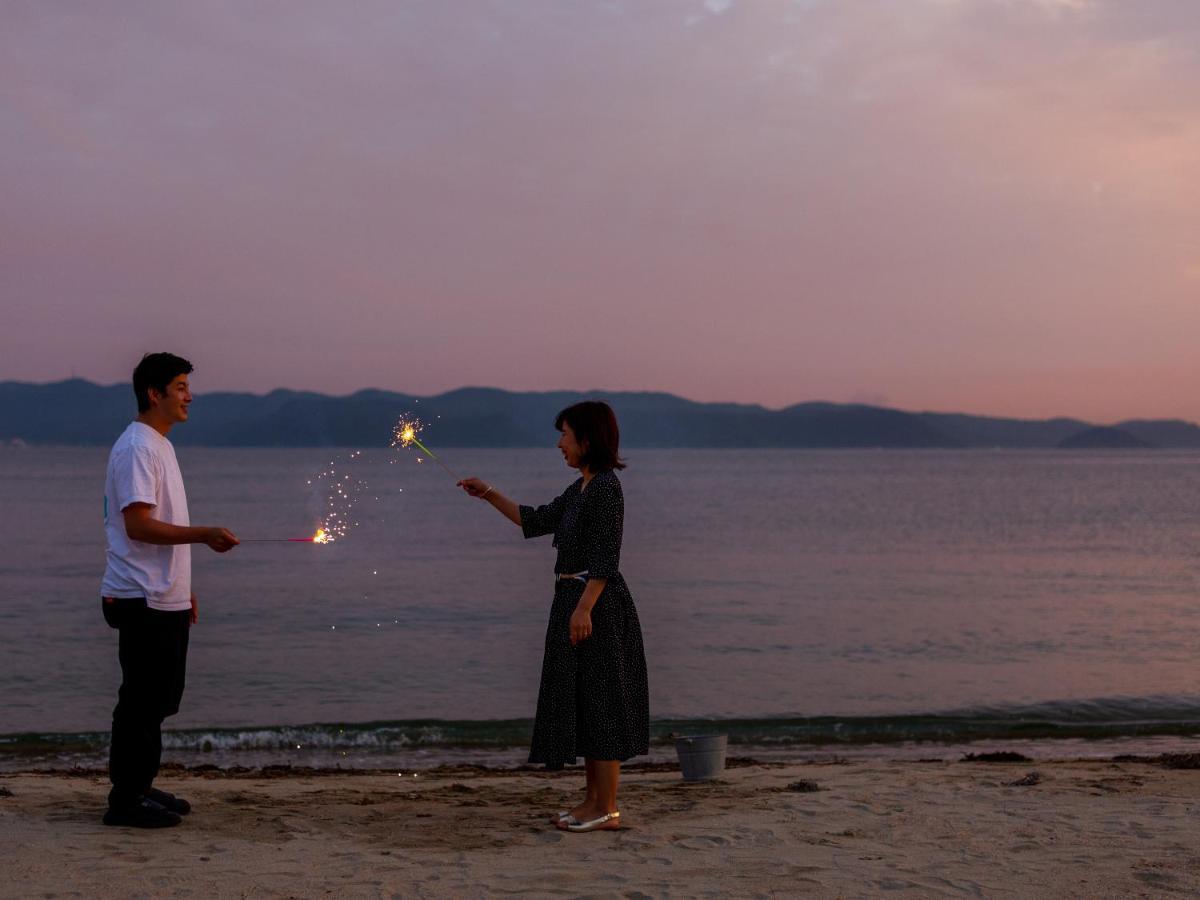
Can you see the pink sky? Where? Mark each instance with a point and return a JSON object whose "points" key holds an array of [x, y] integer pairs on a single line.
{"points": [[980, 205]]}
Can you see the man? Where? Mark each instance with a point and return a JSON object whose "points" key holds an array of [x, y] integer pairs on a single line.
{"points": [[147, 589]]}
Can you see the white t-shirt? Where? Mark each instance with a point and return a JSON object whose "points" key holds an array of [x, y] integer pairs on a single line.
{"points": [[142, 469]]}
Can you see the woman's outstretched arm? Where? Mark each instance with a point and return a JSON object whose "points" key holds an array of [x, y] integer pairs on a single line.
{"points": [[478, 488]]}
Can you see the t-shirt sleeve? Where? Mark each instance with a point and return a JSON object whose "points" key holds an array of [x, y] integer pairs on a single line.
{"points": [[537, 521], [605, 521], [135, 478]]}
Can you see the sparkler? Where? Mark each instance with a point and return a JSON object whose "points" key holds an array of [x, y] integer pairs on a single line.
{"points": [[341, 494], [404, 435], [321, 537]]}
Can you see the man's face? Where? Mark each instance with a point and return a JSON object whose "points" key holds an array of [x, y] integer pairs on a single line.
{"points": [[174, 403]]}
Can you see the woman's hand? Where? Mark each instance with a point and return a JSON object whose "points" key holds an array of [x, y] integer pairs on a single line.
{"points": [[476, 487], [581, 625]]}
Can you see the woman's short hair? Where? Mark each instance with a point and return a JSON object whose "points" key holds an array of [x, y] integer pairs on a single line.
{"points": [[595, 427]]}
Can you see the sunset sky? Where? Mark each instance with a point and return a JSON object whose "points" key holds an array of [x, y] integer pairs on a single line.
{"points": [[980, 205]]}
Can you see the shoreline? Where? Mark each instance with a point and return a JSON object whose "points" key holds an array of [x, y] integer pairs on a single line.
{"points": [[661, 757], [1095, 828], [1170, 761]]}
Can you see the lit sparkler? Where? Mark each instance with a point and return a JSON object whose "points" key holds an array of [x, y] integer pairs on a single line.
{"points": [[404, 435], [341, 494], [337, 516], [321, 537]]}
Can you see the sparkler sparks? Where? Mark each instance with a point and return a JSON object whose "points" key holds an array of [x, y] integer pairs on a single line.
{"points": [[404, 435], [405, 432], [341, 494]]}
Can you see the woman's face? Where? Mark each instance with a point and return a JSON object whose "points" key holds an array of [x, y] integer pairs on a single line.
{"points": [[571, 450]]}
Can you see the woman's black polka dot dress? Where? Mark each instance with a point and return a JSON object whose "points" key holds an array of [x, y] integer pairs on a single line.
{"points": [[593, 700]]}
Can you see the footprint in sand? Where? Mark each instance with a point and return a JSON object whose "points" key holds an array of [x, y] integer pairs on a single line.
{"points": [[894, 884], [1157, 879], [1140, 832], [702, 842]]}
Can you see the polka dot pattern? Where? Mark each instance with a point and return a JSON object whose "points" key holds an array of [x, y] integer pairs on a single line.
{"points": [[594, 700]]}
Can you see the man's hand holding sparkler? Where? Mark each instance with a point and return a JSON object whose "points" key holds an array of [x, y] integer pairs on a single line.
{"points": [[221, 539], [140, 525]]}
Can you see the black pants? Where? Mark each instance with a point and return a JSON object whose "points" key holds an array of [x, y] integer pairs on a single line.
{"points": [[153, 653]]}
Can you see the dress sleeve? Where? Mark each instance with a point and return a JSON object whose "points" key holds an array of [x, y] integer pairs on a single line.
{"points": [[605, 520], [541, 520]]}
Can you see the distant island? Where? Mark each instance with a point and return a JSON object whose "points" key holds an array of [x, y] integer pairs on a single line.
{"points": [[1103, 438], [78, 412]]}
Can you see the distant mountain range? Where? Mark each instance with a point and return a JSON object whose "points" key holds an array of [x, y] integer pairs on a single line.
{"points": [[78, 412]]}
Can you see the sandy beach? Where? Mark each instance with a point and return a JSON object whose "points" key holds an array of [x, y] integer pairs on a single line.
{"points": [[900, 829]]}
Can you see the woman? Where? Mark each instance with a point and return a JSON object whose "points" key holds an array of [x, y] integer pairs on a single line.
{"points": [[593, 700]]}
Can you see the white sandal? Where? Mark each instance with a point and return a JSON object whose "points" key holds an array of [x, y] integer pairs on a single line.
{"points": [[575, 825]]}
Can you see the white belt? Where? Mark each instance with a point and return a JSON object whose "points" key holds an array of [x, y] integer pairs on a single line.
{"points": [[576, 576]]}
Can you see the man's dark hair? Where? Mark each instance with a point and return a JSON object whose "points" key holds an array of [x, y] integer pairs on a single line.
{"points": [[595, 426], [157, 370]]}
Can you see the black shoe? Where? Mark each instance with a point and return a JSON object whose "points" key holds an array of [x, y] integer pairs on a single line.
{"points": [[177, 805], [143, 814]]}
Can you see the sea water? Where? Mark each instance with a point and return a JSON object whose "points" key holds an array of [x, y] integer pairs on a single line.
{"points": [[803, 599]]}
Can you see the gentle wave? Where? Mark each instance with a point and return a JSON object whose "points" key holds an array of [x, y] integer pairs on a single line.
{"points": [[1098, 719]]}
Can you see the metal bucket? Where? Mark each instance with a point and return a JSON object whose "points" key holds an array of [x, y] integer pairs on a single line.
{"points": [[701, 757]]}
